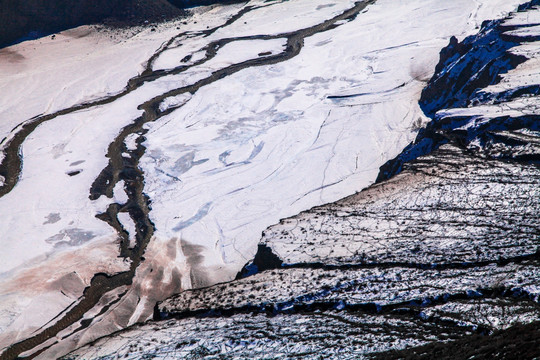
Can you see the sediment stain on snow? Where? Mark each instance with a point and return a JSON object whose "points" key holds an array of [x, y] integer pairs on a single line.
{"points": [[282, 138]]}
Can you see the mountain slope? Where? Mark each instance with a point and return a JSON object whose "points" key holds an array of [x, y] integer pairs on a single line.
{"points": [[139, 166], [30, 18], [439, 259]]}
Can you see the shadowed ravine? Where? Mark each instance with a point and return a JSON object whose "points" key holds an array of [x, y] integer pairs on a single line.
{"points": [[120, 168]]}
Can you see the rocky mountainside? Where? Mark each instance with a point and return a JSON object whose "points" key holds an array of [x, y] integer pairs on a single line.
{"points": [[443, 256], [189, 3], [31, 18], [440, 258], [167, 151]]}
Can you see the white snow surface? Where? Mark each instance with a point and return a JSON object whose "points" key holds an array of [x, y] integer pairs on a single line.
{"points": [[530, 17], [268, 142], [78, 65], [238, 155]]}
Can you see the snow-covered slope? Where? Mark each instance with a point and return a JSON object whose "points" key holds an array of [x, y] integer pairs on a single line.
{"points": [[244, 114], [443, 247]]}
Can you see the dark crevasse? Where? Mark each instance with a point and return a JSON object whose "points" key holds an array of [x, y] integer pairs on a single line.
{"points": [[464, 70], [264, 259], [315, 301]]}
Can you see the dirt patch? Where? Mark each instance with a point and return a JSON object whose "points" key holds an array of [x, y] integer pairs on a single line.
{"points": [[194, 259], [10, 56]]}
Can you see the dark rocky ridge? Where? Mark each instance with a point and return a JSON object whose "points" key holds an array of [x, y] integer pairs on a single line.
{"points": [[464, 70], [22, 20], [191, 3], [517, 342]]}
